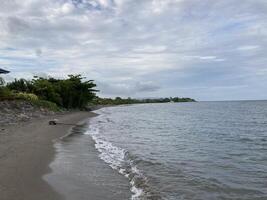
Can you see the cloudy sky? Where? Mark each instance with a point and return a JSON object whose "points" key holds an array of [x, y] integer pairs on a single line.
{"points": [[204, 49]]}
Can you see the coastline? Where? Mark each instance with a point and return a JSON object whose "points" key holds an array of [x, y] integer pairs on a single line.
{"points": [[26, 150]]}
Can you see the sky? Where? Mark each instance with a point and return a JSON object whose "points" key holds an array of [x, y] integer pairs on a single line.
{"points": [[203, 49]]}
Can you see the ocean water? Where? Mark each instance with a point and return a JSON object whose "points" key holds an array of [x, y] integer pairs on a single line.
{"points": [[187, 151]]}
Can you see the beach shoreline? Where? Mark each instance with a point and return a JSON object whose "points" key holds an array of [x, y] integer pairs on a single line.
{"points": [[26, 150]]}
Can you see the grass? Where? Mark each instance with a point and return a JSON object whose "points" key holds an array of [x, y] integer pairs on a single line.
{"points": [[46, 104], [6, 94]]}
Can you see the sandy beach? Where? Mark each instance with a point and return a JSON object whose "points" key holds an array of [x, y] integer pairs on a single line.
{"points": [[26, 149]]}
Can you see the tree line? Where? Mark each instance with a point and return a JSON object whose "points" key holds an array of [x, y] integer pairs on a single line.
{"points": [[119, 100], [73, 92], [69, 93]]}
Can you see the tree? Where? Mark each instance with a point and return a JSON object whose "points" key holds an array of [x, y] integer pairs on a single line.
{"points": [[75, 93], [21, 85], [2, 82]]}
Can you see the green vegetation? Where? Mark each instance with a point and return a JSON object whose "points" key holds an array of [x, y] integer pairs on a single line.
{"points": [[70, 93], [4, 92], [27, 96], [46, 104], [34, 99], [119, 100]]}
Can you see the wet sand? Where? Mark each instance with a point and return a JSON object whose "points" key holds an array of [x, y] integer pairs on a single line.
{"points": [[79, 174], [26, 150]]}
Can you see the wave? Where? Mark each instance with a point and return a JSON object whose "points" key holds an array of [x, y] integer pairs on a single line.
{"points": [[119, 159]]}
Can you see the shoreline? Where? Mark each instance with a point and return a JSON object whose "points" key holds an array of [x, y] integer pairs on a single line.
{"points": [[26, 151]]}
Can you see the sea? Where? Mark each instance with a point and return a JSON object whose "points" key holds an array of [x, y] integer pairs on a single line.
{"points": [[169, 151]]}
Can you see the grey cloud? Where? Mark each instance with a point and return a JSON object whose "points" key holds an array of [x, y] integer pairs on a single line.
{"points": [[127, 88], [16, 26], [38, 52], [41, 74], [146, 87]]}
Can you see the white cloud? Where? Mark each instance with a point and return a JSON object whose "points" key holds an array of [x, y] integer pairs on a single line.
{"points": [[67, 8], [160, 6], [207, 57], [150, 49], [248, 47]]}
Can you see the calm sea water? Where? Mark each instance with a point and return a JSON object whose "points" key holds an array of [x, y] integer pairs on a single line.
{"points": [[205, 150]]}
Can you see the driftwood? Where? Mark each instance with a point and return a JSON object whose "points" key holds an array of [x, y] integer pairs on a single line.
{"points": [[52, 122]]}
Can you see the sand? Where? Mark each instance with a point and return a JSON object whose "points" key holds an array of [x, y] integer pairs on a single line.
{"points": [[25, 153]]}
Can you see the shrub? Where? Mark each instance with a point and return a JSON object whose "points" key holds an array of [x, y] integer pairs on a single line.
{"points": [[21, 85], [27, 96], [46, 104], [5, 93]]}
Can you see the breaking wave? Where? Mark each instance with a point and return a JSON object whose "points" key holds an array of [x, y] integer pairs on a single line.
{"points": [[119, 159]]}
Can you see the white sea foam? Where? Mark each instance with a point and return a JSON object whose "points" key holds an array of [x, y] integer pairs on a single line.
{"points": [[117, 159]]}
